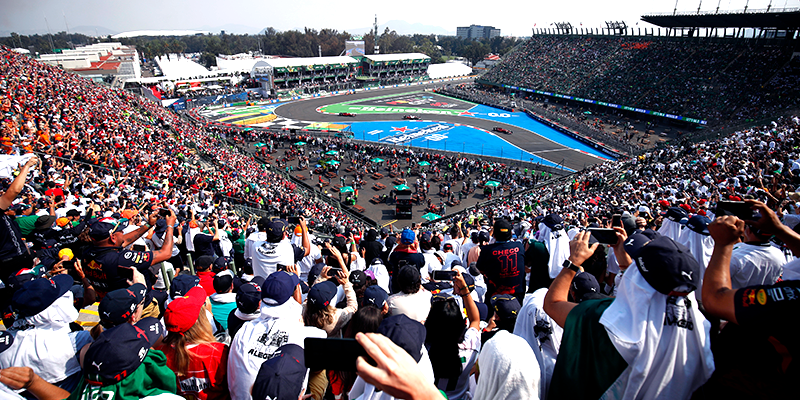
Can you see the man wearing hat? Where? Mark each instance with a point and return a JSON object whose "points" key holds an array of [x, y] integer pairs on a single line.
{"points": [[270, 246], [283, 377], [121, 306], [248, 302], [651, 341], [405, 254], [258, 340], [223, 301], [506, 309], [121, 364], [109, 265], [502, 263], [41, 337]]}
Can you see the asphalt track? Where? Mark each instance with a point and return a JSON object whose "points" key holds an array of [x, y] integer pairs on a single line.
{"points": [[305, 110]]}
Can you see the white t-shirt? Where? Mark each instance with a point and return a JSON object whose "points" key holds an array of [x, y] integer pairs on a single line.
{"points": [[456, 246], [753, 264], [415, 306], [468, 352], [265, 255], [259, 339]]}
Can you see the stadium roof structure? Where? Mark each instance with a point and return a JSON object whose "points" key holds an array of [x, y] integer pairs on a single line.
{"points": [[788, 18], [394, 59]]}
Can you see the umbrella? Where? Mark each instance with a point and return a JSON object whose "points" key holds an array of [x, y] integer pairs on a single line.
{"points": [[300, 144], [431, 216], [346, 189], [260, 144], [492, 183], [332, 153], [401, 188], [423, 163], [587, 112], [332, 162], [247, 129], [377, 160]]}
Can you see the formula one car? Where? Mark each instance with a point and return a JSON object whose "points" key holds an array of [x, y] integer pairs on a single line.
{"points": [[410, 116], [344, 114], [502, 130]]}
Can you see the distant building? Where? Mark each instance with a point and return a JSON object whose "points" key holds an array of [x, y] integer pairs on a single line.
{"points": [[99, 61], [477, 32], [490, 60]]}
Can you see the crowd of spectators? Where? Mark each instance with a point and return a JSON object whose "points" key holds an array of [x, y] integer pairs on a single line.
{"points": [[516, 299], [711, 79], [613, 131]]}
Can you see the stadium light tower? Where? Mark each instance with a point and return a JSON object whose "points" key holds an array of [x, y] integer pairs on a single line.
{"points": [[564, 27], [376, 49], [618, 27]]}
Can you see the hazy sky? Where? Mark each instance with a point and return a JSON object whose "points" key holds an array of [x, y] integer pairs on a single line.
{"points": [[513, 17]]}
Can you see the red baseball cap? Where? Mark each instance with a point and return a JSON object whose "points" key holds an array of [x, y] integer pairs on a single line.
{"points": [[183, 312]]}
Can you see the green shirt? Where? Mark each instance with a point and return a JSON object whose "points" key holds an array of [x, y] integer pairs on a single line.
{"points": [[151, 378], [588, 363], [26, 224]]}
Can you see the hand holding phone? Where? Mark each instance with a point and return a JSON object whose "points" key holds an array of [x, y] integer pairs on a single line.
{"points": [[333, 354], [738, 209], [604, 235], [443, 275]]}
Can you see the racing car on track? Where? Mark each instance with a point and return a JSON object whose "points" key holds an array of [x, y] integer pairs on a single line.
{"points": [[410, 116], [346, 114], [502, 130]]}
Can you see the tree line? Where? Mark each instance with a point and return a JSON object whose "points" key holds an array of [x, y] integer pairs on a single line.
{"points": [[307, 43]]}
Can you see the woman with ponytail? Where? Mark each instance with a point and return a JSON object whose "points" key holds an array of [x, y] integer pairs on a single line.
{"points": [[198, 360], [453, 342]]}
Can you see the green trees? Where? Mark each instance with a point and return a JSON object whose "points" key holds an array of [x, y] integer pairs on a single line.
{"points": [[288, 43]]}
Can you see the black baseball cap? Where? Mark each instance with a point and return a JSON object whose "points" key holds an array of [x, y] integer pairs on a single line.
{"points": [[118, 351], [36, 295], [118, 305], [668, 266], [281, 377], [503, 229], [248, 299], [275, 229], [404, 332], [181, 285], [358, 278], [223, 281], [375, 295], [505, 306], [585, 284], [103, 228], [321, 295]]}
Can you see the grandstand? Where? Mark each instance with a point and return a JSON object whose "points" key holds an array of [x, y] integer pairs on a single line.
{"points": [[681, 77], [394, 67]]}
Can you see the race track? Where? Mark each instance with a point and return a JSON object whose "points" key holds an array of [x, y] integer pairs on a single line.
{"points": [[525, 138]]}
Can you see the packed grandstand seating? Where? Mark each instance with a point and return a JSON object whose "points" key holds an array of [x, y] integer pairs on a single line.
{"points": [[708, 79], [98, 183]]}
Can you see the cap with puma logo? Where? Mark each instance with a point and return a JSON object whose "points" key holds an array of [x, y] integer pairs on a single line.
{"points": [[668, 266]]}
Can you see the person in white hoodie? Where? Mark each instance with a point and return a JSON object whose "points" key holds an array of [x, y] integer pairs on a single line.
{"points": [[509, 370], [258, 340], [41, 337]]}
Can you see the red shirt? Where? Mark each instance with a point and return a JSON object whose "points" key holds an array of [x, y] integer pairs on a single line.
{"points": [[206, 373], [207, 281]]}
